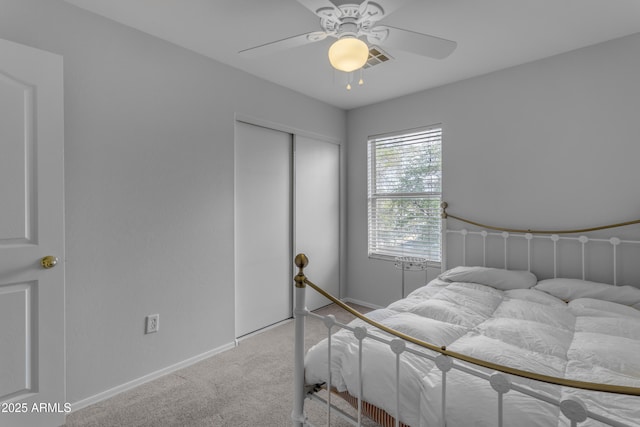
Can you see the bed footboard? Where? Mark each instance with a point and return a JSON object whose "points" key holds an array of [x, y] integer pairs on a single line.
{"points": [[447, 363]]}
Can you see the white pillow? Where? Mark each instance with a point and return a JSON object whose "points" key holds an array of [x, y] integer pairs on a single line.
{"points": [[495, 277], [570, 289]]}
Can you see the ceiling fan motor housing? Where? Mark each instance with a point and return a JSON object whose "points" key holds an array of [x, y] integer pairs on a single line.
{"points": [[348, 29], [349, 20]]}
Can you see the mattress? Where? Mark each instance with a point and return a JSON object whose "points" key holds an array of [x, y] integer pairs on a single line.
{"points": [[500, 318]]}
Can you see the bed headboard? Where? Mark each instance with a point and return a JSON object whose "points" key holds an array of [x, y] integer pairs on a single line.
{"points": [[605, 253]]}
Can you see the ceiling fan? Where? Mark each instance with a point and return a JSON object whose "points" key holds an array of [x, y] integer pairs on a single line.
{"points": [[349, 22]]}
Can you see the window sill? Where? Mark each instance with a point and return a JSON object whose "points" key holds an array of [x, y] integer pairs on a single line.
{"points": [[391, 258]]}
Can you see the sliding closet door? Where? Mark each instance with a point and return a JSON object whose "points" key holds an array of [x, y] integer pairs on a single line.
{"points": [[263, 213], [317, 214]]}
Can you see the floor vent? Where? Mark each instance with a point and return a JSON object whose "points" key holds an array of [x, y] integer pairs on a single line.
{"points": [[376, 56]]}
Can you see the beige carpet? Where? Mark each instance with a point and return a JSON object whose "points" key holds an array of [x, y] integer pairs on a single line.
{"points": [[250, 385]]}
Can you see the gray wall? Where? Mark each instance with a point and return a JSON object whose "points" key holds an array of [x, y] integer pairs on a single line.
{"points": [[552, 143], [149, 188]]}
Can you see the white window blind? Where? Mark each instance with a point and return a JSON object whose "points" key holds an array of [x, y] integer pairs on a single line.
{"points": [[405, 185]]}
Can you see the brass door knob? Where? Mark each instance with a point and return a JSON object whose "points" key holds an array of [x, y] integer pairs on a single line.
{"points": [[49, 261]]}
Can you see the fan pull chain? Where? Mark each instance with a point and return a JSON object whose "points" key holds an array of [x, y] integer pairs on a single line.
{"points": [[349, 80]]}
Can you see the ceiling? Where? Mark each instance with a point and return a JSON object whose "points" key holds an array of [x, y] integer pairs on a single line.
{"points": [[491, 35]]}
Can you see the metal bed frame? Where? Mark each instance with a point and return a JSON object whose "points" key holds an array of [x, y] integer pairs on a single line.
{"points": [[573, 409]]}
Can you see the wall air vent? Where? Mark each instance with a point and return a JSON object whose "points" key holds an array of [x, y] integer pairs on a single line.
{"points": [[376, 56]]}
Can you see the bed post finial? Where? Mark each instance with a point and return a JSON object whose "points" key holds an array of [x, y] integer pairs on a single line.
{"points": [[301, 262], [444, 206]]}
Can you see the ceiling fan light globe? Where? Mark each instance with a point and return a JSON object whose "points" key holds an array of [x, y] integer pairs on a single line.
{"points": [[348, 54]]}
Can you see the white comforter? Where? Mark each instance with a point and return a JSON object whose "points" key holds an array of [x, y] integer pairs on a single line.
{"points": [[587, 340]]}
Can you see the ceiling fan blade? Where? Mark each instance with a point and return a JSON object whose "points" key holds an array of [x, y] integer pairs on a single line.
{"points": [[288, 43], [369, 12], [410, 41]]}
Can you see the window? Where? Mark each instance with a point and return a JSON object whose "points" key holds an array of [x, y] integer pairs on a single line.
{"points": [[405, 185]]}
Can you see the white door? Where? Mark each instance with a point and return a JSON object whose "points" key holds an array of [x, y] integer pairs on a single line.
{"points": [[32, 364], [263, 227], [317, 215]]}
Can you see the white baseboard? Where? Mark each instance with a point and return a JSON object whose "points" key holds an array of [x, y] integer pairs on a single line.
{"points": [[362, 303], [149, 377], [259, 331]]}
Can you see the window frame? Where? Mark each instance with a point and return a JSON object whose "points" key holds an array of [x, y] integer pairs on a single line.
{"points": [[374, 250]]}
